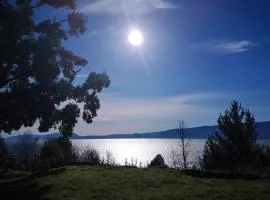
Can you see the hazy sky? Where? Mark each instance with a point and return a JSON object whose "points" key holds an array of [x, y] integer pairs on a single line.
{"points": [[196, 57]]}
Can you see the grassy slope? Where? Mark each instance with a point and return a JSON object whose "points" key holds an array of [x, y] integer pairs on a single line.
{"points": [[129, 183]]}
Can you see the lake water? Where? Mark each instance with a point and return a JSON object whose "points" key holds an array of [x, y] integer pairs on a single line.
{"points": [[144, 150]]}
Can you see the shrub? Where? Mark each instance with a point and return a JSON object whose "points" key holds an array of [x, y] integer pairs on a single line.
{"points": [[158, 161], [26, 150], [7, 161], [261, 157], [65, 146], [51, 155], [90, 156], [75, 154], [110, 160]]}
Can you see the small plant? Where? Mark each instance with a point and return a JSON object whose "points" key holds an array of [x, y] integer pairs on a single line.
{"points": [[181, 153], [110, 160]]}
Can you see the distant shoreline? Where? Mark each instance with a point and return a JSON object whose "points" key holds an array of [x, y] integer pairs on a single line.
{"points": [[202, 132]]}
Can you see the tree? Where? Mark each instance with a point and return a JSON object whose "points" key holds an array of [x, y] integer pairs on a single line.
{"points": [[91, 156], [184, 144], [3, 154], [51, 154], [27, 149], [110, 160], [180, 156], [158, 161], [6, 159], [232, 146], [37, 72]]}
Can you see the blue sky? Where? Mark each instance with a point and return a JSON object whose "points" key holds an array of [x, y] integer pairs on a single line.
{"points": [[197, 56]]}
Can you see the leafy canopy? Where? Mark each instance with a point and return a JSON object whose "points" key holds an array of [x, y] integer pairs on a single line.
{"points": [[37, 72]]}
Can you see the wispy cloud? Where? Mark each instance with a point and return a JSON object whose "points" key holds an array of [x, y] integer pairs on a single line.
{"points": [[226, 46], [129, 6], [235, 47], [120, 114], [100, 31], [162, 4]]}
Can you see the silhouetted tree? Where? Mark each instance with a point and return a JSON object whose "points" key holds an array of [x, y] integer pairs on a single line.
{"points": [[261, 159], [180, 155], [232, 146], [90, 156], [67, 150], [27, 149], [3, 153], [37, 72], [158, 161], [7, 161], [51, 155], [110, 160]]}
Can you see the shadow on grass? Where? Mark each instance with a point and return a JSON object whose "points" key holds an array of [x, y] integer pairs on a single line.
{"points": [[224, 175], [26, 191], [26, 187]]}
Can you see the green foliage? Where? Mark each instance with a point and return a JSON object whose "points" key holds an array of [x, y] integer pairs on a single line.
{"points": [[37, 73], [232, 147]]}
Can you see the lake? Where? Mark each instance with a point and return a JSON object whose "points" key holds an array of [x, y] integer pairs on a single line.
{"points": [[143, 150]]}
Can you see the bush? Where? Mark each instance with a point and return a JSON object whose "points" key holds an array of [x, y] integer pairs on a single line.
{"points": [[158, 161], [89, 156], [110, 160], [261, 157], [7, 161], [51, 155], [59, 152], [67, 150], [26, 150]]}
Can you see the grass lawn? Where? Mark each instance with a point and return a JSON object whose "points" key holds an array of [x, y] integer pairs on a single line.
{"points": [[131, 183]]}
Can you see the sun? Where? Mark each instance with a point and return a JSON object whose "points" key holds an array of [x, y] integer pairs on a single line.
{"points": [[135, 37]]}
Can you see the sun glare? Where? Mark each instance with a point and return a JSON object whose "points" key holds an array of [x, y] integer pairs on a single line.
{"points": [[135, 37]]}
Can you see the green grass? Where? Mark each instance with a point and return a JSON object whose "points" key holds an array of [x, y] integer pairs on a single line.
{"points": [[131, 183]]}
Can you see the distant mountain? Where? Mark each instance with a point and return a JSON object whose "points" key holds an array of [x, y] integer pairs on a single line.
{"points": [[40, 137], [193, 133]]}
